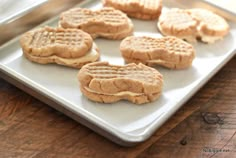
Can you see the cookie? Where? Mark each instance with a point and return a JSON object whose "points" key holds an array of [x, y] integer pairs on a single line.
{"points": [[106, 22], [106, 83], [211, 27], [140, 9], [69, 47], [179, 23], [193, 24], [168, 51]]}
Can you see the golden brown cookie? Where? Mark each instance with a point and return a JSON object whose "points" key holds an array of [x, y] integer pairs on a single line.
{"points": [[192, 24], [169, 51], [141, 9], [211, 27], [106, 83], [69, 47], [106, 22], [177, 22]]}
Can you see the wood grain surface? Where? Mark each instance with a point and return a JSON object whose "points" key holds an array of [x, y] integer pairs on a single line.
{"points": [[204, 127]]}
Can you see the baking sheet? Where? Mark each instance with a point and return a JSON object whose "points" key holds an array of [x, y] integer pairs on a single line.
{"points": [[123, 122], [227, 5], [12, 9]]}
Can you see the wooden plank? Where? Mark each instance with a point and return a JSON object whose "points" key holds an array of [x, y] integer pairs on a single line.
{"points": [[209, 132]]}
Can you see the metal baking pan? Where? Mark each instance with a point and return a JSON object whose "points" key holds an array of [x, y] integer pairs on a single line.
{"points": [[122, 122], [12, 9]]}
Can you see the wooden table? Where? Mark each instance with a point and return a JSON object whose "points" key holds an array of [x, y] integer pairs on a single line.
{"points": [[204, 127]]}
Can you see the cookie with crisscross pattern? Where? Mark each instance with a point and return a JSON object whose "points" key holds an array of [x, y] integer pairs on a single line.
{"points": [[106, 22], [106, 83], [169, 52], [141, 9], [70, 47]]}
